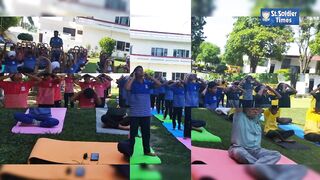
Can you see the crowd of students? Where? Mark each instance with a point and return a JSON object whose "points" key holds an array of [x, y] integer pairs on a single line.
{"points": [[29, 57], [49, 87]]}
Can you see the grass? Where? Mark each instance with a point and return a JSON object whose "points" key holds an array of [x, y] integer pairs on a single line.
{"points": [[91, 67], [222, 128]]}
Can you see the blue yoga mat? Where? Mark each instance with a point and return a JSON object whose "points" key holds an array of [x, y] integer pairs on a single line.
{"points": [[297, 130], [176, 132]]}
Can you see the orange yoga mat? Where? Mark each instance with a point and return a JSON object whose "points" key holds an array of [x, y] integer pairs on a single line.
{"points": [[75, 152], [53, 172]]}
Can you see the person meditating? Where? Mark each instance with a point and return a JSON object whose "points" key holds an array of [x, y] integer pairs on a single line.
{"points": [[37, 117], [246, 139]]}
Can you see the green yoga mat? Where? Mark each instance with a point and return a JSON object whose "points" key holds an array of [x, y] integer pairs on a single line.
{"points": [[160, 118], [204, 136], [139, 158], [137, 172]]}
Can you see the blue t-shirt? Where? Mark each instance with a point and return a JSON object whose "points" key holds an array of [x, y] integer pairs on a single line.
{"points": [[56, 42], [219, 93], [168, 93], [140, 99], [11, 66], [178, 96], [161, 90], [40, 112], [192, 94], [210, 101], [30, 62], [155, 91]]}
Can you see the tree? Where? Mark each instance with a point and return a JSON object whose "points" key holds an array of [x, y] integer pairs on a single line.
{"points": [[25, 37], [256, 41], [308, 45], [107, 45], [208, 53], [221, 68], [197, 34], [7, 22]]}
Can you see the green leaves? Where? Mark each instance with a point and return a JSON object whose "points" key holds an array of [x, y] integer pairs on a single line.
{"points": [[208, 53], [107, 45]]}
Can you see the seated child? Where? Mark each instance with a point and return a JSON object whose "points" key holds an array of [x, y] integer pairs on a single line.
{"points": [[246, 139], [312, 125], [271, 116], [37, 116], [116, 118]]}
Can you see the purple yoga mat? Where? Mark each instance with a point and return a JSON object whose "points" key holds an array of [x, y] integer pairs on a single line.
{"points": [[186, 142], [58, 113]]}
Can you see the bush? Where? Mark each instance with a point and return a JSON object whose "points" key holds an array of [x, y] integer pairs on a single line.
{"points": [[107, 45], [149, 72], [25, 37]]}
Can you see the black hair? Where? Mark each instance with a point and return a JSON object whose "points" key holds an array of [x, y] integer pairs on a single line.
{"points": [[137, 68], [86, 76], [258, 88], [88, 93], [55, 31], [236, 83], [212, 84]]}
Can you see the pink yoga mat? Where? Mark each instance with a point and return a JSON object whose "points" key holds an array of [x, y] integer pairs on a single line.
{"points": [[58, 113], [186, 142], [220, 157]]}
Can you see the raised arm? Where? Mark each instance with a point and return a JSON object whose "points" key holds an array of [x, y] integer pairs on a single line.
{"points": [[273, 91], [313, 93], [292, 89], [5, 77], [33, 77], [129, 83]]}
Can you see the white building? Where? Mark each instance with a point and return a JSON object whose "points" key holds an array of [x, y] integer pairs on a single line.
{"points": [[168, 54], [87, 31]]}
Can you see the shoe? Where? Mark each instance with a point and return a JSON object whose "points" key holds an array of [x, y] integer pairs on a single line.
{"points": [[150, 154]]}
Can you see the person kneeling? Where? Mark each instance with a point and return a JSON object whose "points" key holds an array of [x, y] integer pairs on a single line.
{"points": [[116, 118], [38, 117], [246, 139], [272, 116]]}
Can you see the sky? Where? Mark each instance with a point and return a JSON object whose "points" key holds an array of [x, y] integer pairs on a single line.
{"points": [[161, 15]]}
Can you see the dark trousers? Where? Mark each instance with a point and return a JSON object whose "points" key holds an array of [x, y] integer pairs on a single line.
{"points": [[160, 103], [177, 115], [144, 123], [103, 102], [312, 137], [46, 122], [45, 105], [187, 122], [68, 96], [280, 134], [221, 99], [168, 109], [153, 98], [57, 103]]}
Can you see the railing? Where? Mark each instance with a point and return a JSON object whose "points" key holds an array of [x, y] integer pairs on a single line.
{"points": [[156, 59]]}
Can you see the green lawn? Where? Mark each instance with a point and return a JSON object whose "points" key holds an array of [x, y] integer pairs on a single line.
{"points": [[91, 67], [222, 128]]}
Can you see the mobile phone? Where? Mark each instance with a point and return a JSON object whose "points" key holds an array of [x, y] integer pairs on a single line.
{"points": [[94, 157]]}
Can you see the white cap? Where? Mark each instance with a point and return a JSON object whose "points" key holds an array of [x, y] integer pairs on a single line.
{"points": [[55, 65], [11, 53]]}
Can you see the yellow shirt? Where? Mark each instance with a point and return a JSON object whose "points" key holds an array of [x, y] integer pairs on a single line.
{"points": [[270, 120], [312, 124]]}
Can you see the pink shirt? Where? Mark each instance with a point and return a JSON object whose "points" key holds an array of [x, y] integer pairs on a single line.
{"points": [[69, 85], [85, 102], [99, 88], [16, 93], [85, 85], [46, 92]]}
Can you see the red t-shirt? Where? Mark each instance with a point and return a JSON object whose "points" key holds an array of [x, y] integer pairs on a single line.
{"points": [[69, 85], [99, 88], [57, 92], [16, 93], [85, 85], [46, 91], [85, 102]]}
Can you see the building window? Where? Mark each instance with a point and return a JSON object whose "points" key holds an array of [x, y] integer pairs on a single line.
{"points": [[178, 76], [286, 63], [180, 53], [70, 31], [122, 20], [80, 32], [159, 52], [162, 74], [122, 46]]}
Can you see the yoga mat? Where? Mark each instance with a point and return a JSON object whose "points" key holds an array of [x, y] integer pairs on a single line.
{"points": [[220, 158], [204, 136], [297, 131], [295, 145], [140, 173], [160, 118], [53, 172], [73, 152], [222, 110], [176, 132], [99, 124], [186, 142], [138, 156], [58, 113]]}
